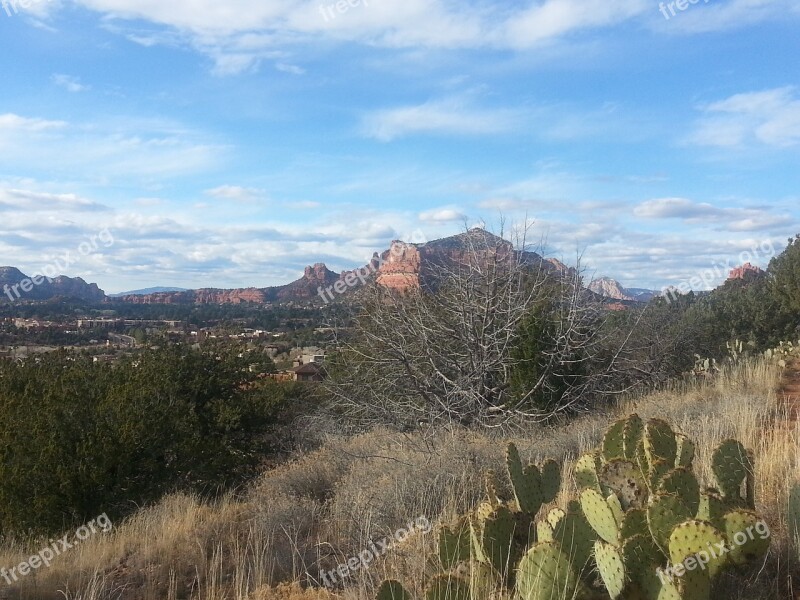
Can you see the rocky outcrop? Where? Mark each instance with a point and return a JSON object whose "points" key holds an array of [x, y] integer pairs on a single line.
{"points": [[611, 288], [401, 266], [406, 266], [745, 271]]}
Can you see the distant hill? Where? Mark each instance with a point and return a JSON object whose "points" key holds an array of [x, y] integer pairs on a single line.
{"points": [[611, 288], [145, 291], [402, 266], [16, 285]]}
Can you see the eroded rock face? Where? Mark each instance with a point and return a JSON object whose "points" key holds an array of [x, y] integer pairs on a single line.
{"points": [[745, 270], [609, 288], [401, 267], [408, 266]]}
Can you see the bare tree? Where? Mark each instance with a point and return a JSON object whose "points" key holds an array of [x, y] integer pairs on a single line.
{"points": [[493, 333]]}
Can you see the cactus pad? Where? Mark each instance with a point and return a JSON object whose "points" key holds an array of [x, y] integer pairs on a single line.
{"points": [[794, 512], [544, 531], [682, 482], [631, 436], [575, 537], [685, 453], [731, 464], [695, 585], [454, 544], [492, 536], [586, 472], [712, 509], [527, 482], [634, 523], [554, 516], [613, 441], [544, 573], [745, 542], [658, 470], [551, 481], [392, 590], [611, 567], [699, 541], [664, 513], [600, 516], [625, 480], [659, 441]]}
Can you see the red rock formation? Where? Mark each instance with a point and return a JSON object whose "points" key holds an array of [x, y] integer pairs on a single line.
{"points": [[744, 270], [401, 266], [407, 266]]}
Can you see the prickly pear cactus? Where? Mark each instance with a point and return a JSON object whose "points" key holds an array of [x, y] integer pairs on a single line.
{"points": [[701, 541], [611, 566], [642, 523], [526, 482], [392, 590], [492, 532], [748, 538], [794, 511], [532, 487], [587, 470], [454, 544], [545, 573], [732, 465]]}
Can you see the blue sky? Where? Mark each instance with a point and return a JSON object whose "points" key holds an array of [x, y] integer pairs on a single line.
{"points": [[232, 143]]}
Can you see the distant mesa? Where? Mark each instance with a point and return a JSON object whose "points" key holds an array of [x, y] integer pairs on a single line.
{"points": [[144, 292]]}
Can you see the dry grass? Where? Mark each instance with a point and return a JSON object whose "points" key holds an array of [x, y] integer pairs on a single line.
{"points": [[272, 541]]}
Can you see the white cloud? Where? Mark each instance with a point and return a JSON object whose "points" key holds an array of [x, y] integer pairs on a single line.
{"points": [[69, 83], [10, 122], [237, 193], [122, 148], [730, 219], [442, 215], [550, 20], [447, 117], [675, 208], [239, 34], [32, 200], [770, 117], [292, 69]]}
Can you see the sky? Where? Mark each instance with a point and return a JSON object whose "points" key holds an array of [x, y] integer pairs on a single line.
{"points": [[230, 144]]}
